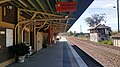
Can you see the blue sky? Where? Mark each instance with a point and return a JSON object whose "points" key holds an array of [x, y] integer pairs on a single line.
{"points": [[98, 7]]}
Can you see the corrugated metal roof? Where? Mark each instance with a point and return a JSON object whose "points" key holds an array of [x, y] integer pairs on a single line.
{"points": [[48, 6], [100, 26], [116, 36]]}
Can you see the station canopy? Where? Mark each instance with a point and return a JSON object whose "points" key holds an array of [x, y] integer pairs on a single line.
{"points": [[48, 10]]}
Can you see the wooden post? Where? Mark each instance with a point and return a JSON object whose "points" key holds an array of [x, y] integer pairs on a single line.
{"points": [[19, 34], [0, 13], [52, 35], [29, 35], [49, 36], [35, 39], [19, 31]]}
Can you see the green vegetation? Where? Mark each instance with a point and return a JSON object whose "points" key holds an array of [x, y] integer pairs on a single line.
{"points": [[84, 38], [108, 42], [69, 33], [95, 19], [113, 32]]}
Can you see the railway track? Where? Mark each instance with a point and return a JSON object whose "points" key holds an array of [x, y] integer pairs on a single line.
{"points": [[108, 56]]}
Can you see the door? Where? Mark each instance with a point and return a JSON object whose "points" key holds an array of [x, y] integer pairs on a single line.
{"points": [[39, 40]]}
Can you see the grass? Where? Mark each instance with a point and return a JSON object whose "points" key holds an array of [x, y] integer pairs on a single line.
{"points": [[108, 42], [84, 38]]}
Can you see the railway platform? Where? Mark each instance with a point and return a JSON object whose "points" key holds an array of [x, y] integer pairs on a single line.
{"points": [[60, 54]]}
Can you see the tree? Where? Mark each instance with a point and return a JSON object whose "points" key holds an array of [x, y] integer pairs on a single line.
{"points": [[70, 33], [95, 19], [113, 32]]}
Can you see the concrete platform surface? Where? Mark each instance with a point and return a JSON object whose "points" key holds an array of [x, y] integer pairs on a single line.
{"points": [[59, 55]]}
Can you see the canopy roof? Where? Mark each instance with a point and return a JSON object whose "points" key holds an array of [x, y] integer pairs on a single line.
{"points": [[100, 26], [47, 9], [116, 35]]}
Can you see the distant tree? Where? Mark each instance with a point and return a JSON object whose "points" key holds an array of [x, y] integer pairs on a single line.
{"points": [[74, 32], [70, 33], [95, 19], [113, 32]]}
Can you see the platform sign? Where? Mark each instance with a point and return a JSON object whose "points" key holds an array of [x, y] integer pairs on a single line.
{"points": [[65, 6]]}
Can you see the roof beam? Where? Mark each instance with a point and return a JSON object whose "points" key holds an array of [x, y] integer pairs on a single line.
{"points": [[19, 5], [32, 4], [42, 13], [46, 19], [50, 6], [31, 8], [40, 4], [3, 1], [13, 4], [27, 6], [40, 27], [61, 23], [54, 23], [33, 16]]}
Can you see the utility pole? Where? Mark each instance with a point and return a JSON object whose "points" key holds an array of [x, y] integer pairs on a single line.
{"points": [[118, 13], [80, 29]]}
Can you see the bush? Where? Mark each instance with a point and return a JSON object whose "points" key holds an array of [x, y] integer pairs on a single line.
{"points": [[109, 42], [20, 49]]}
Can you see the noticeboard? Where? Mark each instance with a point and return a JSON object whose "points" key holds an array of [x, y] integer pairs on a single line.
{"points": [[9, 37]]}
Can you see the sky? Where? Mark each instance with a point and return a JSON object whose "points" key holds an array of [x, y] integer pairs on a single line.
{"points": [[97, 7]]}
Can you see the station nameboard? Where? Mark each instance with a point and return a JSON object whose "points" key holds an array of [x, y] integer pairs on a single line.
{"points": [[65, 6]]}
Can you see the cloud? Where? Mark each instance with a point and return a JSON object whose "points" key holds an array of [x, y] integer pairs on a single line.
{"points": [[103, 4], [108, 6]]}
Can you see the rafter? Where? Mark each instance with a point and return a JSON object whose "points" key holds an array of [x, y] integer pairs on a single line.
{"points": [[31, 8], [42, 13], [47, 27], [41, 26], [40, 4], [3, 1], [46, 19], [32, 4], [50, 6], [33, 16], [18, 6]]}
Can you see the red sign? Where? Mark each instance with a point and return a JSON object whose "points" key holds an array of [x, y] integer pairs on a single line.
{"points": [[65, 6]]}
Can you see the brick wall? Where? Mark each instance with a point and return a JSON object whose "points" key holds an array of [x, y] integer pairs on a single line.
{"points": [[9, 15], [5, 53]]}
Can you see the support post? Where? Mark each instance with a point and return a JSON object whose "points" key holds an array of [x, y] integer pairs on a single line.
{"points": [[29, 36], [118, 13], [24, 28], [0, 13]]}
